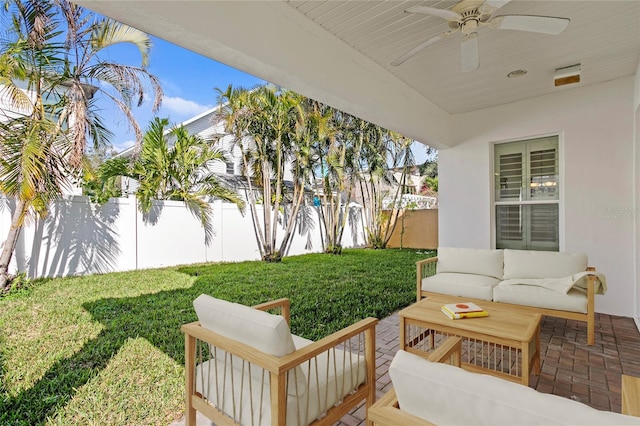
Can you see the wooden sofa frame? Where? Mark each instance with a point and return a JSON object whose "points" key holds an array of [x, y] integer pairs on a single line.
{"points": [[427, 267], [387, 412], [278, 368]]}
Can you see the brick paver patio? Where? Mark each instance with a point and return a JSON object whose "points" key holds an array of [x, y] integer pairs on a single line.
{"points": [[570, 368]]}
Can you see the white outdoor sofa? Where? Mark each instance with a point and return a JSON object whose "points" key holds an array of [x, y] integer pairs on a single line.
{"points": [[436, 391], [550, 283]]}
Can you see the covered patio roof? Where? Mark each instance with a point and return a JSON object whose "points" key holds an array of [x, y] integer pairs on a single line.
{"points": [[341, 52]]}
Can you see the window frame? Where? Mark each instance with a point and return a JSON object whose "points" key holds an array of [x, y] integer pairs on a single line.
{"points": [[561, 186]]}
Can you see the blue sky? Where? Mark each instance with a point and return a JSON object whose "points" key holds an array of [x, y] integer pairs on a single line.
{"points": [[189, 82]]}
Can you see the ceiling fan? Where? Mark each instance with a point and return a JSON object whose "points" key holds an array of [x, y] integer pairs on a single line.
{"points": [[468, 16]]}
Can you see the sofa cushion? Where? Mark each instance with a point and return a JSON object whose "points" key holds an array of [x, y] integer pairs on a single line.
{"points": [[559, 285], [470, 261], [575, 300], [542, 264], [452, 396], [464, 285], [261, 330]]}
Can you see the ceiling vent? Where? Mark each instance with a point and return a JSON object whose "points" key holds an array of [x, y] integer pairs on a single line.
{"points": [[567, 75]]}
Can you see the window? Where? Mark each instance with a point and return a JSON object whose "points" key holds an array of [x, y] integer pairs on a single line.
{"points": [[230, 167], [527, 194]]}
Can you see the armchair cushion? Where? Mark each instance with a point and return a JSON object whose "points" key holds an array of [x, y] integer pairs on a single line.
{"points": [[262, 330], [452, 396], [345, 373]]}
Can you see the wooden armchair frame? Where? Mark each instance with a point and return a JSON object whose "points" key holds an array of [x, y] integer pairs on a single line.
{"points": [[386, 410], [427, 267], [278, 367]]}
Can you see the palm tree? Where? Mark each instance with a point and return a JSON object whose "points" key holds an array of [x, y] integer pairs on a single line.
{"points": [[337, 150], [311, 123], [44, 140], [237, 115], [179, 172], [383, 151], [272, 127], [87, 71], [263, 123]]}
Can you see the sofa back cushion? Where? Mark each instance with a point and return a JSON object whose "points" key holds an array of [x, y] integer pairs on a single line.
{"points": [[470, 261], [449, 395], [542, 264]]}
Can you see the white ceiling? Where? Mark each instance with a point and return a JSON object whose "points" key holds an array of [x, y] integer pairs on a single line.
{"points": [[340, 52], [604, 36]]}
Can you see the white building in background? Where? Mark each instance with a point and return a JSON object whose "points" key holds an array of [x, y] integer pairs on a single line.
{"points": [[208, 126]]}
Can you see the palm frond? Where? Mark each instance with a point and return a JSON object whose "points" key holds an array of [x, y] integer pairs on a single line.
{"points": [[33, 160], [203, 212], [128, 81], [114, 167], [108, 33]]}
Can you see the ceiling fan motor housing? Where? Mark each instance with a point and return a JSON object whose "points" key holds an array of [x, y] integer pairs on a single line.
{"points": [[470, 17]]}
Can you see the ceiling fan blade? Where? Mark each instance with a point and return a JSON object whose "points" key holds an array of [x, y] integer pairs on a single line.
{"points": [[490, 6], [497, 3], [537, 24], [445, 14], [469, 50], [402, 59]]}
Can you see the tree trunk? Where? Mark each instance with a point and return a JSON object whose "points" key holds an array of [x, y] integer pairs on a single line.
{"points": [[269, 246], [296, 202], [10, 243]]}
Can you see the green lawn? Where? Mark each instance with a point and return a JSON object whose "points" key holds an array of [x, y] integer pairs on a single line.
{"points": [[107, 349]]}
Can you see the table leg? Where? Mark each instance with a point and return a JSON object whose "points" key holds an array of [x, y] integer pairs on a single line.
{"points": [[526, 367], [536, 360]]}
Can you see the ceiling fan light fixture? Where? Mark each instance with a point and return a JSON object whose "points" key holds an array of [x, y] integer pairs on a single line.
{"points": [[469, 26], [567, 75]]}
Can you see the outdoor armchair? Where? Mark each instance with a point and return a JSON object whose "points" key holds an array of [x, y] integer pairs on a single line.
{"points": [[243, 366], [425, 391]]}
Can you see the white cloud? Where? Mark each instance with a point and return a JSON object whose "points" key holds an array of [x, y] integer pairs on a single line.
{"points": [[121, 146], [183, 107]]}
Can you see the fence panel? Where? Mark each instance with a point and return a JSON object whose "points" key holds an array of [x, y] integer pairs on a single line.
{"points": [[79, 238], [416, 229]]}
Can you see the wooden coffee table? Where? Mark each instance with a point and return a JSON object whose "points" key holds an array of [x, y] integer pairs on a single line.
{"points": [[505, 344]]}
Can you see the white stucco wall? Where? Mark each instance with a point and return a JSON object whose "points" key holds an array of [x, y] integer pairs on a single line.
{"points": [[596, 128]]}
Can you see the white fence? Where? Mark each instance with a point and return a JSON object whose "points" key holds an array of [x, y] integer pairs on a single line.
{"points": [[79, 238]]}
